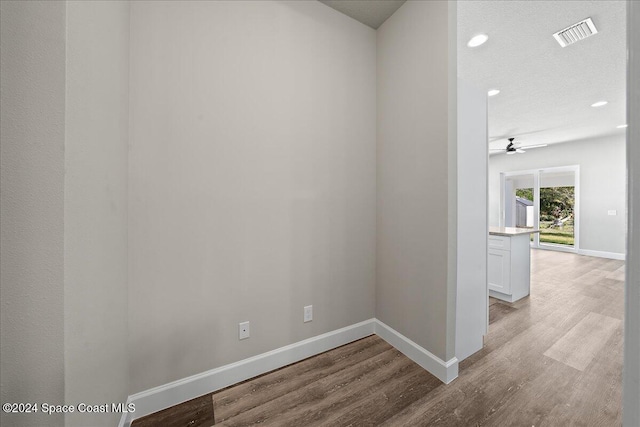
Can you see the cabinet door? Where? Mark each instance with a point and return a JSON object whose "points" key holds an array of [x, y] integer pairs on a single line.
{"points": [[499, 271]]}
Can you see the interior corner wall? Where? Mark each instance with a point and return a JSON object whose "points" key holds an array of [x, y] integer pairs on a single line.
{"points": [[602, 186], [251, 180], [413, 70], [95, 208], [32, 111]]}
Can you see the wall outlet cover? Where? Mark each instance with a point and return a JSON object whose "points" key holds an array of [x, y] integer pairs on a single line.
{"points": [[308, 313], [243, 330]]}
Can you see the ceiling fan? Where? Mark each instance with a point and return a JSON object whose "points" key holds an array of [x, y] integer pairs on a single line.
{"points": [[512, 149]]}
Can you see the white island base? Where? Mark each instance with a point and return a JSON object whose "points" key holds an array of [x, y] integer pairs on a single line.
{"points": [[509, 264]]}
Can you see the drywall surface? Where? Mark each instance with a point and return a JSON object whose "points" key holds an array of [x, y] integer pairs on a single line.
{"points": [[95, 213], [472, 292], [631, 391], [602, 186], [252, 180], [32, 206], [412, 175]]}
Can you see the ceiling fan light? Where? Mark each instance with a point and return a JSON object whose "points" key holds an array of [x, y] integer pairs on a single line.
{"points": [[511, 152]]}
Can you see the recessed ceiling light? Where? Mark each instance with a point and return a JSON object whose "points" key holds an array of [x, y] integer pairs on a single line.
{"points": [[599, 103], [478, 40], [622, 126], [493, 92]]}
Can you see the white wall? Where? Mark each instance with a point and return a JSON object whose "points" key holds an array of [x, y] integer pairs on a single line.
{"points": [[412, 291], [32, 81], [95, 212], [602, 186], [510, 204], [631, 392], [252, 180], [64, 257], [472, 292]]}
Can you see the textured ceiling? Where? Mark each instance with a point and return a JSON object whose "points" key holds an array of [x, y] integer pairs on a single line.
{"points": [[546, 90], [370, 12]]}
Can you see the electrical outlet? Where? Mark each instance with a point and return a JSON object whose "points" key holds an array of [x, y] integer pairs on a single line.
{"points": [[308, 313], [243, 330]]}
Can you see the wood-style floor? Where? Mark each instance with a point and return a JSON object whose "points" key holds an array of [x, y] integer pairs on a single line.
{"points": [[553, 358]]}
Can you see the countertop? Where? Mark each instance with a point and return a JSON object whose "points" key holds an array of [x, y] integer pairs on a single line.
{"points": [[511, 231]]}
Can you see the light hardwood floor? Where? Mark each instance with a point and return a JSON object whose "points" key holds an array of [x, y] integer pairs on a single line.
{"points": [[553, 358]]}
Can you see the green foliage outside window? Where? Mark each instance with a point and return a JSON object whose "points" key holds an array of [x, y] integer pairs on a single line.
{"points": [[556, 213], [555, 202]]}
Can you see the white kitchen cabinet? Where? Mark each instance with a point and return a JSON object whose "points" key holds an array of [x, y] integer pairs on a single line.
{"points": [[498, 271], [509, 263]]}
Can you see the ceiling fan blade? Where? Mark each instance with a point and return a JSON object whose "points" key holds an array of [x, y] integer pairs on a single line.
{"points": [[528, 147], [520, 150], [516, 134]]}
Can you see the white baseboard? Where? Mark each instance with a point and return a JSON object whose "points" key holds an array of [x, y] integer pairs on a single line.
{"points": [[444, 371], [165, 396], [601, 254]]}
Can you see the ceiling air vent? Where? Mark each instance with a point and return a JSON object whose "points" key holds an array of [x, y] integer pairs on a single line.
{"points": [[576, 32]]}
